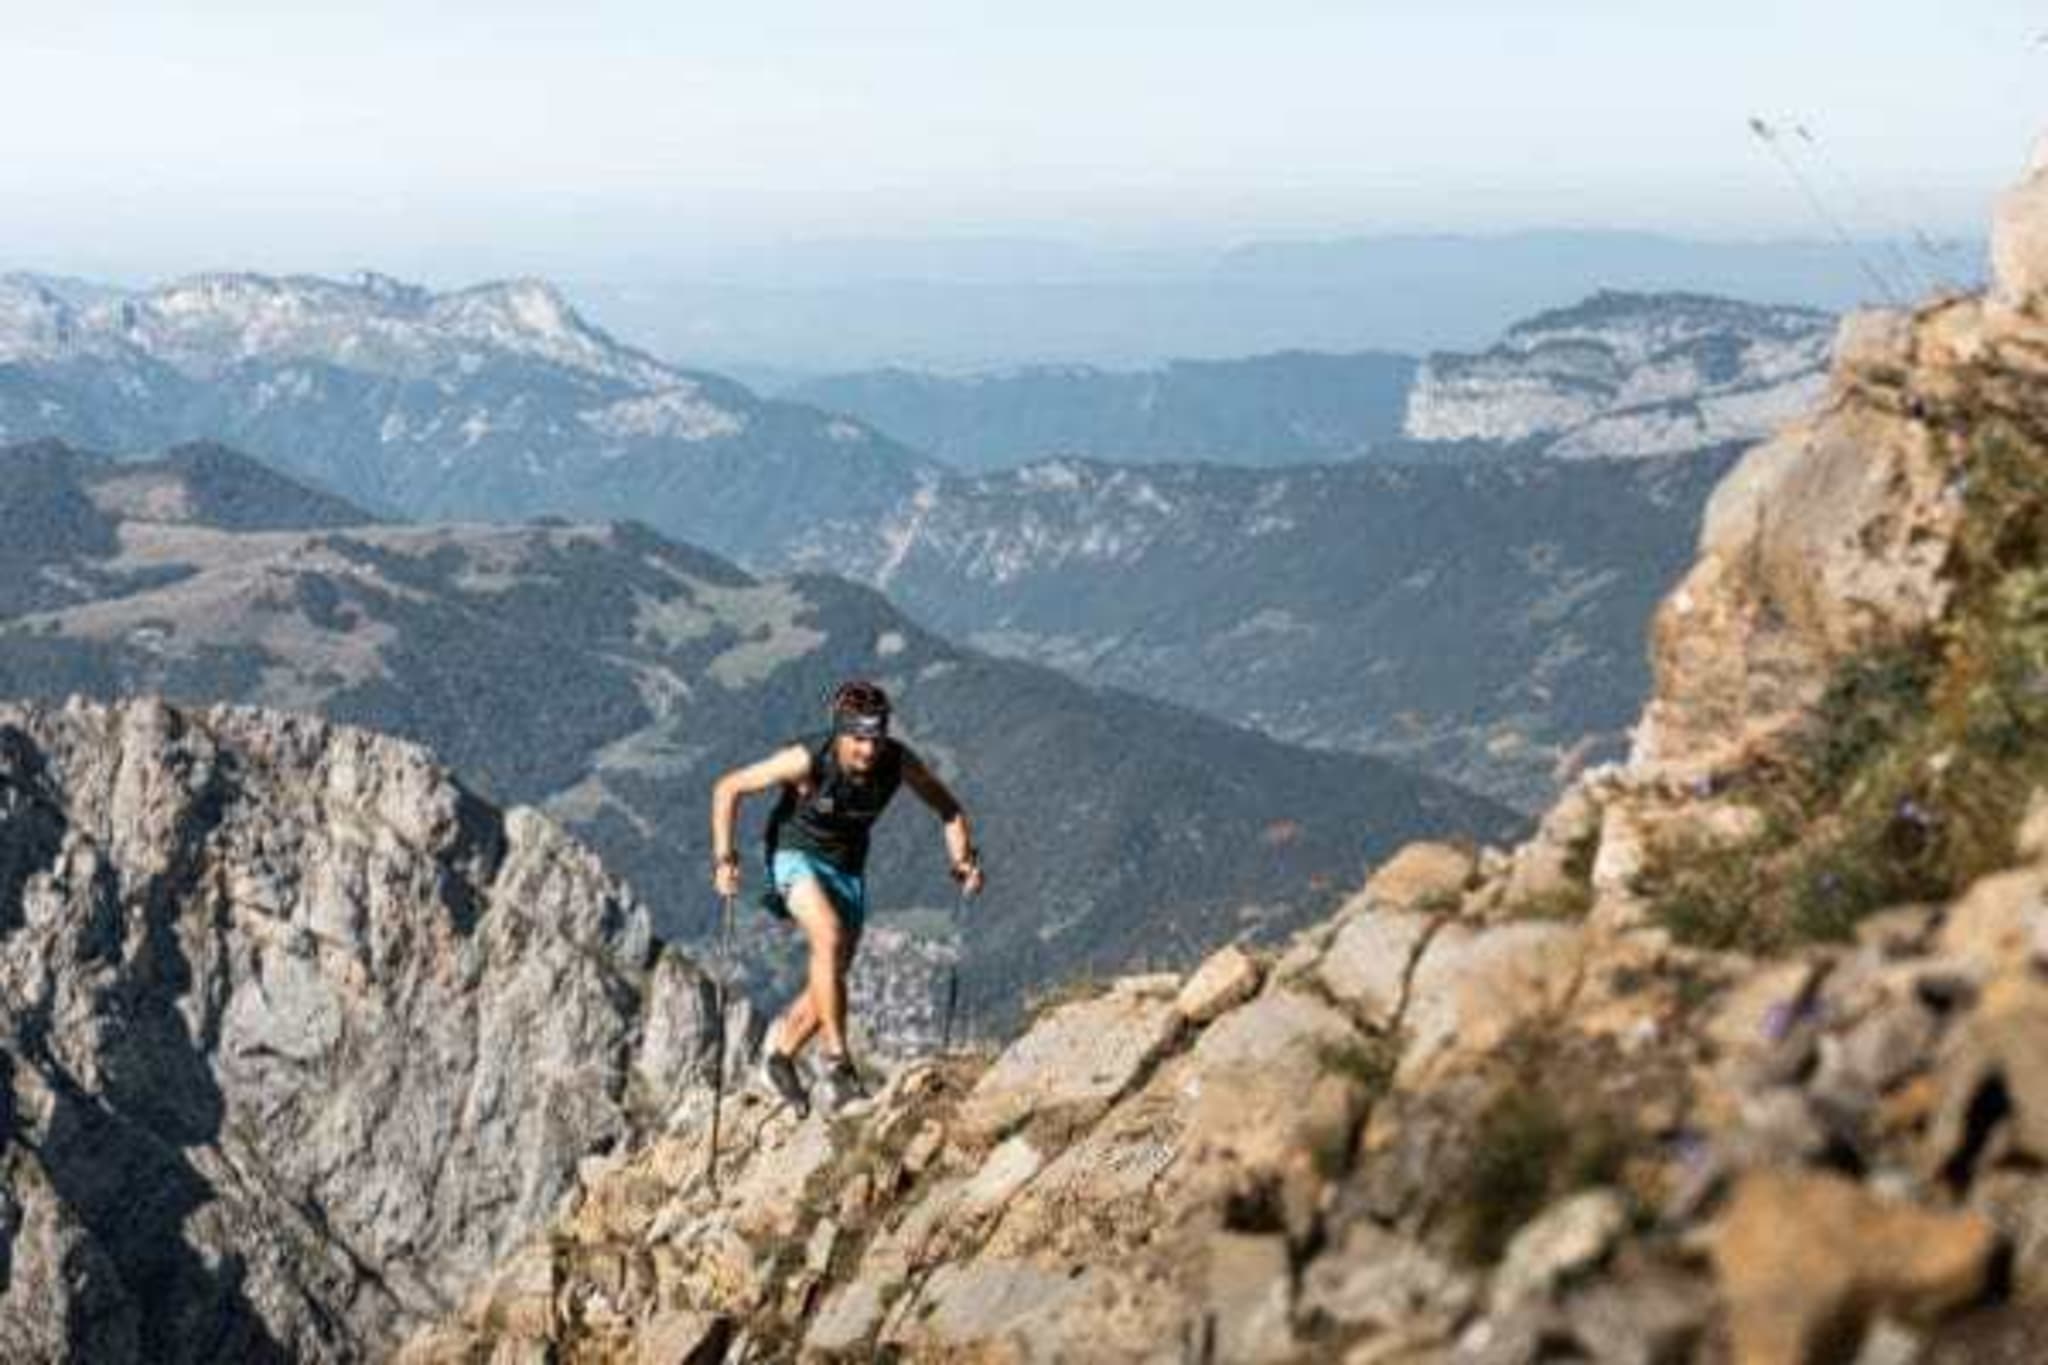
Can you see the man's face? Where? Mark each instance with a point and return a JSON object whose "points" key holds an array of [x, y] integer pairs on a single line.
{"points": [[857, 753]]}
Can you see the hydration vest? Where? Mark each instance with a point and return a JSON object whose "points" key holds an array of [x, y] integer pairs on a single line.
{"points": [[830, 815]]}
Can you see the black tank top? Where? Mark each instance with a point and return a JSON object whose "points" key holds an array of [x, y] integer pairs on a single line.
{"points": [[829, 816]]}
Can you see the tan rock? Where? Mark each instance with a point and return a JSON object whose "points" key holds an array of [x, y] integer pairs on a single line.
{"points": [[682, 1337], [1377, 1280], [1553, 868], [1249, 1077], [2031, 842], [1426, 875], [924, 1146], [1874, 342], [846, 1321], [519, 1301], [1822, 542], [1806, 1259], [1226, 980], [1367, 964], [1753, 1012], [1563, 1241], [1077, 1059], [1006, 1170], [2019, 241], [766, 1195], [1474, 987], [1248, 1298], [2004, 1044], [1999, 924], [1242, 1104], [1007, 1310]]}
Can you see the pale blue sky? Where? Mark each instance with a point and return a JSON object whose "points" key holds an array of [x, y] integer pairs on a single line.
{"points": [[158, 138]]}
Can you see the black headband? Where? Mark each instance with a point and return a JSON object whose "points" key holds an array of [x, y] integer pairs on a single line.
{"points": [[861, 725]]}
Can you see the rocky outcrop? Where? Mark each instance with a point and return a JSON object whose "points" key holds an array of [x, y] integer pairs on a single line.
{"points": [[302, 1039]]}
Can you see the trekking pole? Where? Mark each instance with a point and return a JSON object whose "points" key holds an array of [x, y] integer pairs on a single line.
{"points": [[720, 972], [953, 972]]}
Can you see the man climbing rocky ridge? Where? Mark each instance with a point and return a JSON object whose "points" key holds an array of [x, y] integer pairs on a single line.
{"points": [[1744, 1056]]}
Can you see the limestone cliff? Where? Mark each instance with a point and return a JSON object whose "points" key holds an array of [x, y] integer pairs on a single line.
{"points": [[300, 1037], [1744, 1056]]}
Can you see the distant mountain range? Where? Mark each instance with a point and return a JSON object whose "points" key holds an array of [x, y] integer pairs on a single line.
{"points": [[1484, 621], [608, 674], [1288, 408], [497, 402], [1617, 375]]}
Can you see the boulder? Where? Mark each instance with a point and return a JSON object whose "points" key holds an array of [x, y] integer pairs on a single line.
{"points": [[1874, 343], [1427, 875], [984, 1305], [1075, 1061], [1805, 1260], [2019, 239], [1565, 1240], [1367, 964], [1226, 980], [1999, 924], [1376, 1280], [1248, 1299], [1474, 987], [1997, 1073]]}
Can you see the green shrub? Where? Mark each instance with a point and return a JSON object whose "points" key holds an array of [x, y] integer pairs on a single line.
{"points": [[1526, 1152]]}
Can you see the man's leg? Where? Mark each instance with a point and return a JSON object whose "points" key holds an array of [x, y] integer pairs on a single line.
{"points": [[823, 1004], [794, 1027]]}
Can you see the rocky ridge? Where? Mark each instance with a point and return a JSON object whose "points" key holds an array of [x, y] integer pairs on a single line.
{"points": [[1740, 1058], [300, 1037], [1628, 375]]}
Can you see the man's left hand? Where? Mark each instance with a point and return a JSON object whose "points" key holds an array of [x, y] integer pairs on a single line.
{"points": [[969, 876]]}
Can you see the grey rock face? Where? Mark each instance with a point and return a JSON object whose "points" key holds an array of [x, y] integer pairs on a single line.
{"points": [[302, 1037]]}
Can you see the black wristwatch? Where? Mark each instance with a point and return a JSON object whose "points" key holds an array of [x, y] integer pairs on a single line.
{"points": [[719, 860]]}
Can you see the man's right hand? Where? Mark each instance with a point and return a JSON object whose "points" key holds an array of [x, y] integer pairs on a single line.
{"points": [[725, 878]]}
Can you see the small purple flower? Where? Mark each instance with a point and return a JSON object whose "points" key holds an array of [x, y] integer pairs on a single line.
{"points": [[1691, 1149]]}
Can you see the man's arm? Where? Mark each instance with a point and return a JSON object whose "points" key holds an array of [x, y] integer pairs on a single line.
{"points": [[960, 851], [792, 764]]}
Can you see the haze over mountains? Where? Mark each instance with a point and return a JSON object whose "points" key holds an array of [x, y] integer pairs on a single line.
{"points": [[792, 312]]}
